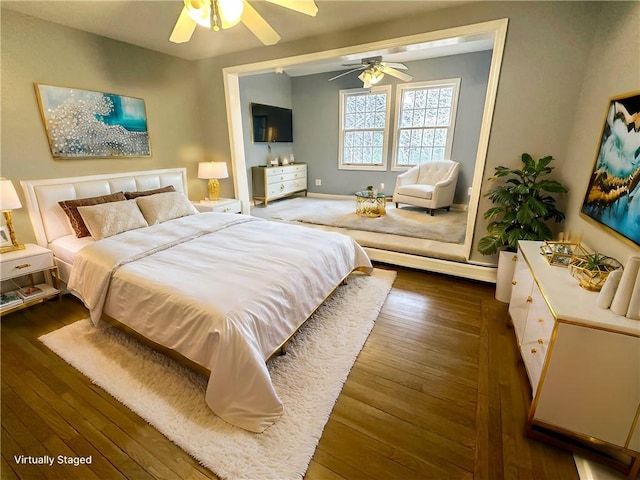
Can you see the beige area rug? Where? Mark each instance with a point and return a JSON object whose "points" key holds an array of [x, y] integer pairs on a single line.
{"points": [[405, 221], [167, 395]]}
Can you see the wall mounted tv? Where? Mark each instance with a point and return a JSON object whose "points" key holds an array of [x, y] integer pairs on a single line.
{"points": [[271, 124]]}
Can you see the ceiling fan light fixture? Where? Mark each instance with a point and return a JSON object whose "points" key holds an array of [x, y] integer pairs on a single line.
{"points": [[370, 76], [230, 12], [199, 11]]}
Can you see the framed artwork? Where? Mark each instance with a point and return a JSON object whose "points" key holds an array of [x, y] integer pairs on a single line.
{"points": [[87, 124], [5, 240], [613, 195]]}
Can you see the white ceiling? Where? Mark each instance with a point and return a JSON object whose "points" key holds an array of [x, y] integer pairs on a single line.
{"points": [[148, 24]]}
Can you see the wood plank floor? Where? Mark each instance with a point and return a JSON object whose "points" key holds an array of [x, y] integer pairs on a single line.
{"points": [[437, 392]]}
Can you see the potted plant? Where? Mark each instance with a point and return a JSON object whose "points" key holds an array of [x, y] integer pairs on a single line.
{"points": [[523, 204], [591, 270]]}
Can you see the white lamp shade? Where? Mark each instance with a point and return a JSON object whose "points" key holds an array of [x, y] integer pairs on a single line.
{"points": [[212, 170], [8, 196]]}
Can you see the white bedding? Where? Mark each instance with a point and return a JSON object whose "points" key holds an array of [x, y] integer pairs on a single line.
{"points": [[65, 248], [223, 290]]}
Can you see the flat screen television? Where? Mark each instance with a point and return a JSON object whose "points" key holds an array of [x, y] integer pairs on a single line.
{"points": [[271, 124]]}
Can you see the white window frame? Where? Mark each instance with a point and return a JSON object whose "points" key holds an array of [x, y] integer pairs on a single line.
{"points": [[385, 141], [400, 88]]}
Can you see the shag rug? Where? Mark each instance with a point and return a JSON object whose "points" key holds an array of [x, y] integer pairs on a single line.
{"points": [[308, 380], [406, 221]]}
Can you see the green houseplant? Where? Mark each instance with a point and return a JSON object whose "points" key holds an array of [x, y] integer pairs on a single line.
{"points": [[523, 205]]}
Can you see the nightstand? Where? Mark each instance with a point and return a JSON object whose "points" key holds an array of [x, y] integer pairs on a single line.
{"points": [[222, 205], [31, 260]]}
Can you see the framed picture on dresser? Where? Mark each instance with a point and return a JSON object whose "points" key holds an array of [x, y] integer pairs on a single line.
{"points": [[613, 195]]}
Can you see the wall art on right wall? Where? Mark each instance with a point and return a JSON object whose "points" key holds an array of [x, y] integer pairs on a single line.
{"points": [[613, 194]]}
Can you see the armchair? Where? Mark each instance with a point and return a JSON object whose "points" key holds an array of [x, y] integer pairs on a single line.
{"points": [[430, 185]]}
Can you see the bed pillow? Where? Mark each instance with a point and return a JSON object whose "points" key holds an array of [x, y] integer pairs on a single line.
{"points": [[165, 206], [107, 219], [144, 193], [70, 208]]}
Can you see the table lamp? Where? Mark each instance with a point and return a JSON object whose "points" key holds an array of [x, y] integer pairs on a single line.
{"points": [[213, 171], [9, 201]]}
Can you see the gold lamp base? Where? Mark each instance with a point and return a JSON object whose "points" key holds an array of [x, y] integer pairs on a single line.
{"points": [[214, 189], [12, 235]]}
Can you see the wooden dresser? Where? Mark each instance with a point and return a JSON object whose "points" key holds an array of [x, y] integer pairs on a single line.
{"points": [[270, 183], [583, 364]]}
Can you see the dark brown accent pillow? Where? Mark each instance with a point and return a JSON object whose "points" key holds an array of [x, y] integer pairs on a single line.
{"points": [[70, 207], [144, 193]]}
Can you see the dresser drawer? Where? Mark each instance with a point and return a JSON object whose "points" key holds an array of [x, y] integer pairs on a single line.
{"points": [[16, 267], [285, 177], [282, 188]]}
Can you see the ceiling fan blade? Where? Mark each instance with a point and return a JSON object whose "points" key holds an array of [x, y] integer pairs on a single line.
{"points": [[348, 72], [395, 73], [400, 66], [183, 29], [258, 25], [308, 7]]}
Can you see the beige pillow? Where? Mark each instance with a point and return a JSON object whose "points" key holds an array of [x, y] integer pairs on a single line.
{"points": [[161, 207], [70, 207], [107, 219]]}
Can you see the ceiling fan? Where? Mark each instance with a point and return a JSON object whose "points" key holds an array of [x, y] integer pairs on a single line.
{"points": [[216, 14], [373, 69]]}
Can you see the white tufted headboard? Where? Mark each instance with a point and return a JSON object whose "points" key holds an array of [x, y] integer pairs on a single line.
{"points": [[42, 196]]}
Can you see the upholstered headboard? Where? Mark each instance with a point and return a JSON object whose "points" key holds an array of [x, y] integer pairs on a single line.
{"points": [[42, 196]]}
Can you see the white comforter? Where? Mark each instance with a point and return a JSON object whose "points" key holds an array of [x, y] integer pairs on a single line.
{"points": [[223, 290]]}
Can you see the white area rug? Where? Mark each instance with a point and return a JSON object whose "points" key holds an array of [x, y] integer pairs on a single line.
{"points": [[308, 380], [406, 221]]}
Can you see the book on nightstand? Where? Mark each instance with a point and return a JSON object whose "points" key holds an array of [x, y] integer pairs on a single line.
{"points": [[29, 292], [9, 299]]}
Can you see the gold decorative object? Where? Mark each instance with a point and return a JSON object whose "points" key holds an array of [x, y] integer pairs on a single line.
{"points": [[213, 171], [591, 270], [370, 204], [560, 253], [8, 201]]}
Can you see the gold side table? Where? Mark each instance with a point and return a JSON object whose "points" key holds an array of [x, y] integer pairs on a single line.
{"points": [[370, 204]]}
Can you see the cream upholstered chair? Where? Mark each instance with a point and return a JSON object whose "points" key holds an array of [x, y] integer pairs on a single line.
{"points": [[430, 185]]}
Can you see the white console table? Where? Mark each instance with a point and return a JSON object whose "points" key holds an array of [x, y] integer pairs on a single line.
{"points": [[583, 364]]}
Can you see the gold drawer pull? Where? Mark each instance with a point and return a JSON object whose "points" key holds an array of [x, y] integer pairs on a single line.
{"points": [[534, 351], [515, 258], [22, 265], [540, 341], [513, 282], [541, 320], [529, 299]]}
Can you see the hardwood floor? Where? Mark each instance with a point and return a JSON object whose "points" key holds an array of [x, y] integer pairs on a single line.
{"points": [[437, 392]]}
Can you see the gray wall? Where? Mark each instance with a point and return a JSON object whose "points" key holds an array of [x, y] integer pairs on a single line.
{"points": [[544, 66], [316, 103], [613, 69], [34, 50], [268, 89], [562, 62]]}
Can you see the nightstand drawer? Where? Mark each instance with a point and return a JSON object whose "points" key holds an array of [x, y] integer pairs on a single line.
{"points": [[16, 264], [224, 205]]}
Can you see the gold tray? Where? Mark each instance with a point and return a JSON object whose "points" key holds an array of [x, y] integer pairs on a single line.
{"points": [[560, 253]]}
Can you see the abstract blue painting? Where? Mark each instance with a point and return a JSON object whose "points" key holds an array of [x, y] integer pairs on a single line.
{"points": [[88, 124], [613, 194]]}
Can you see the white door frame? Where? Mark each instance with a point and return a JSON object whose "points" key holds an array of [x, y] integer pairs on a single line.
{"points": [[497, 28]]}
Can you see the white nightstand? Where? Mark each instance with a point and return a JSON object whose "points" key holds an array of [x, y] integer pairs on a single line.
{"points": [[27, 262], [222, 205]]}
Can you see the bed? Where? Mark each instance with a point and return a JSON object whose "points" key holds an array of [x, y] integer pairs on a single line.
{"points": [[222, 291]]}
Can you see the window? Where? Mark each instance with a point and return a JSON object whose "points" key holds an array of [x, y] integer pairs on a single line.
{"points": [[426, 114], [364, 128]]}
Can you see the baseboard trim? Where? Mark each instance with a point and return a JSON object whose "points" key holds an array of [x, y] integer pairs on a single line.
{"points": [[448, 267]]}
